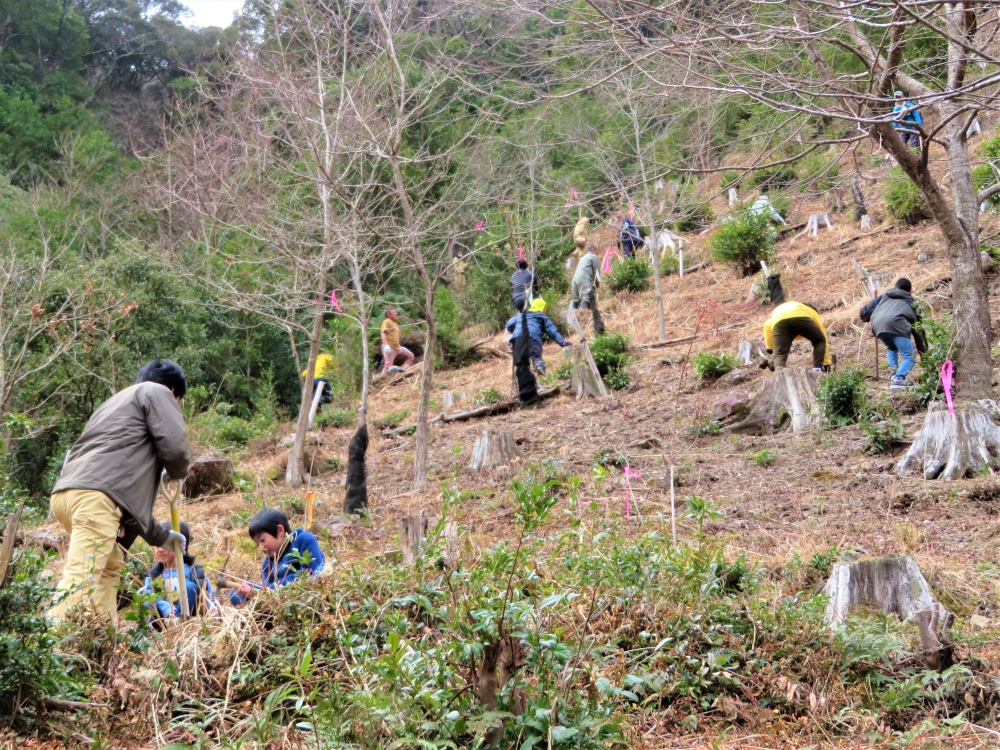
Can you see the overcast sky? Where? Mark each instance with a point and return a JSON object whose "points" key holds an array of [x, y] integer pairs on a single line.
{"points": [[211, 12]]}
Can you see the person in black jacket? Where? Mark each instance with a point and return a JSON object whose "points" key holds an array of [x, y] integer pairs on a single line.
{"points": [[892, 316], [522, 284]]}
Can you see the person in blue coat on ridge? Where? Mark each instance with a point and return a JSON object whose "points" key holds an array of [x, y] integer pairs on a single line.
{"points": [[288, 555], [162, 577], [906, 119], [539, 326]]}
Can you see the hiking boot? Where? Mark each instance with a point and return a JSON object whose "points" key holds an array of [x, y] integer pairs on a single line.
{"points": [[539, 367], [898, 384]]}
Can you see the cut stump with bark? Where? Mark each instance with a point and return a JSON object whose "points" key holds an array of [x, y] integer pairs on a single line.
{"points": [[786, 399], [896, 585], [583, 382], [955, 446], [208, 475], [412, 530], [494, 449]]}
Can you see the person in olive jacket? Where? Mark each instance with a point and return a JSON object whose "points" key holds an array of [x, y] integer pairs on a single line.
{"points": [[105, 493], [892, 316]]}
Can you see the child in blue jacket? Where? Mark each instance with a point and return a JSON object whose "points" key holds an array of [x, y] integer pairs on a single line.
{"points": [[162, 577], [288, 555]]}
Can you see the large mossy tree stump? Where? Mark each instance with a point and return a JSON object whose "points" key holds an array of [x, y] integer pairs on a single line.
{"points": [[896, 585], [209, 475], [494, 449], [954, 446], [787, 397]]}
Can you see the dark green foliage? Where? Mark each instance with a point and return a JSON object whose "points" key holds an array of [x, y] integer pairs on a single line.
{"points": [[335, 418], [451, 346], [744, 241], [841, 396], [730, 179], [618, 380], [903, 199], [692, 213], [487, 396], [771, 178], [882, 427], [709, 365], [630, 275], [987, 175], [609, 350], [940, 336], [31, 666], [669, 264]]}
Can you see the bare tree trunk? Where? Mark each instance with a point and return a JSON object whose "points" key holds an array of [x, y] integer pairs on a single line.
{"points": [[293, 474], [423, 404]]}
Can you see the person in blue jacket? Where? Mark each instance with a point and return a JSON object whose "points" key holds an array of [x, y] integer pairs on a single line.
{"points": [[905, 117], [288, 555], [539, 326], [628, 234], [162, 577]]}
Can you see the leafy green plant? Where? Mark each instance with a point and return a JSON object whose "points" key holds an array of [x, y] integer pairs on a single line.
{"points": [[764, 458], [701, 510], [940, 336], [744, 241], [487, 396], [630, 275], [771, 178], [730, 179], [903, 199], [618, 380], [334, 418], [392, 419], [987, 175], [709, 365], [882, 427], [609, 352], [841, 396], [609, 457], [669, 264]]}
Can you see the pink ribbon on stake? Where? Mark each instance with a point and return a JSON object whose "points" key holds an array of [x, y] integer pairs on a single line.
{"points": [[628, 489], [572, 197], [631, 210], [520, 253], [947, 376], [333, 300], [480, 225], [606, 266]]}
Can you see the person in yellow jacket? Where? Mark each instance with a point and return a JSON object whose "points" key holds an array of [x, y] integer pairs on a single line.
{"points": [[321, 376], [792, 320]]}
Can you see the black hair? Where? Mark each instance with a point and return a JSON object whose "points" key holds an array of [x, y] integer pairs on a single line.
{"points": [[267, 521], [904, 284], [164, 372], [522, 264], [186, 532], [811, 307]]}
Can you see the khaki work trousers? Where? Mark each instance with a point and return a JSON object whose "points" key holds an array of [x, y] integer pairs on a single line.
{"points": [[94, 561]]}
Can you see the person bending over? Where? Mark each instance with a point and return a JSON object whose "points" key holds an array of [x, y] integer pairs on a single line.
{"points": [[391, 348], [892, 316], [793, 320]]}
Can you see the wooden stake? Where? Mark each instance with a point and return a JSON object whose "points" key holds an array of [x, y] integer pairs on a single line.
{"points": [[673, 508]]}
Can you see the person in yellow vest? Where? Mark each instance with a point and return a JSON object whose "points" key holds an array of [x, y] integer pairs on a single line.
{"points": [[321, 376], [792, 320]]}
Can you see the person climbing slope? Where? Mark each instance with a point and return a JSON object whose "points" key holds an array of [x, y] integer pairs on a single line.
{"points": [[628, 234], [892, 316], [523, 285], [539, 326], [585, 282], [321, 376], [391, 347], [790, 321], [906, 120]]}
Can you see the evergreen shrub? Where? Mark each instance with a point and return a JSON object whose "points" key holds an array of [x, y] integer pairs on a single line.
{"points": [[841, 396], [630, 275], [743, 242], [709, 365], [903, 199]]}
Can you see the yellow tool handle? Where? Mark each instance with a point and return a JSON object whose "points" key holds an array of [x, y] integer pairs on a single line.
{"points": [[175, 524]]}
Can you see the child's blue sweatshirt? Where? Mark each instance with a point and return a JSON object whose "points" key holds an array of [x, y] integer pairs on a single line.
{"points": [[302, 556]]}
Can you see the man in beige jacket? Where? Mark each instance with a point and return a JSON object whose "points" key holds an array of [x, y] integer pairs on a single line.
{"points": [[105, 493]]}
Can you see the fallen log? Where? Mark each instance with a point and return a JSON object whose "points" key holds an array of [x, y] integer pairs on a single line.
{"points": [[682, 339], [406, 429], [849, 240], [483, 341], [59, 704], [497, 408]]}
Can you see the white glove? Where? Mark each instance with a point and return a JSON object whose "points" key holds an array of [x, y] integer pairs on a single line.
{"points": [[176, 536]]}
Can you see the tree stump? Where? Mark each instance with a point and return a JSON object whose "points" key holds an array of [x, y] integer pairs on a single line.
{"points": [[208, 475], [583, 382], [895, 584], [451, 553], [412, 530], [788, 396], [745, 353], [451, 398], [494, 449], [954, 447]]}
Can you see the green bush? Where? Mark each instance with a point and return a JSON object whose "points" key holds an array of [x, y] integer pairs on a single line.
{"points": [[669, 264], [940, 335], [743, 242], [631, 275], [218, 428], [692, 214], [708, 365], [392, 419], [903, 199], [487, 396], [882, 427], [771, 178], [618, 380], [334, 418], [31, 666], [985, 176], [730, 179], [609, 352], [764, 458], [841, 396]]}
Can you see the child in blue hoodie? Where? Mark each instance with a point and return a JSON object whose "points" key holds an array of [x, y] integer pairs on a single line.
{"points": [[162, 577], [288, 555]]}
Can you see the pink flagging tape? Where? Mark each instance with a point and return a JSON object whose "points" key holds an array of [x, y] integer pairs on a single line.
{"points": [[947, 378], [333, 300]]}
